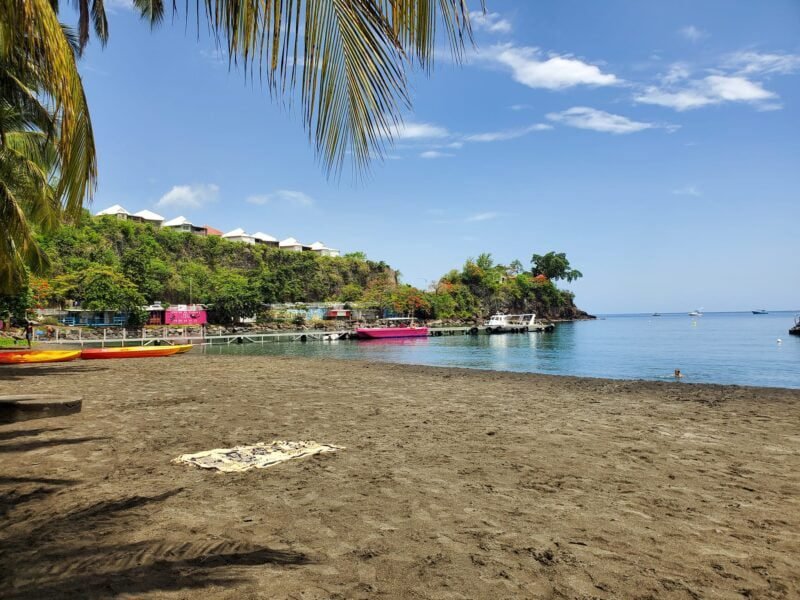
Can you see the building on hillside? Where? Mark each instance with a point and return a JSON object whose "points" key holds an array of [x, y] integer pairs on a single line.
{"points": [[239, 235], [147, 216], [290, 244], [265, 238], [116, 211], [212, 231], [322, 249], [184, 224]]}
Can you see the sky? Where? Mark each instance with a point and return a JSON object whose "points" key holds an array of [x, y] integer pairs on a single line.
{"points": [[656, 143]]}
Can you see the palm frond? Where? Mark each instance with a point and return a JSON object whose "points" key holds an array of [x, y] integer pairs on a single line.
{"points": [[351, 55]]}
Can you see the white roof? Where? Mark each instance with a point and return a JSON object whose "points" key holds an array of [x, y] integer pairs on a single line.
{"points": [[177, 222], [148, 215], [264, 237], [289, 242], [239, 232], [319, 246], [113, 210]]}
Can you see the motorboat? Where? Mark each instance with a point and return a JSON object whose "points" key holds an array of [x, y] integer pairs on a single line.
{"points": [[395, 327], [656, 314], [695, 313], [24, 357], [796, 329], [501, 323], [134, 351], [760, 312]]}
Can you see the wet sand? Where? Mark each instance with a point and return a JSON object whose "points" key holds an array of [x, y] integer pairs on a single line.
{"points": [[454, 484]]}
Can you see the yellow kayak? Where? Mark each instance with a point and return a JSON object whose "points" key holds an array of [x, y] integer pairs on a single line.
{"points": [[23, 357]]}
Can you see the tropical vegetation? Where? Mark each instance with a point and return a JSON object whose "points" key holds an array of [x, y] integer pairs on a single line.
{"points": [[111, 264], [345, 59]]}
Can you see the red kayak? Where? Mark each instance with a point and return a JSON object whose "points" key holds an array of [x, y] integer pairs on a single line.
{"points": [[134, 352]]}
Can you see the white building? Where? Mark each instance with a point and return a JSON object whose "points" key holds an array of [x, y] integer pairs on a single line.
{"points": [[322, 249], [290, 244], [114, 211], [148, 216], [184, 224], [239, 235], [265, 238]]}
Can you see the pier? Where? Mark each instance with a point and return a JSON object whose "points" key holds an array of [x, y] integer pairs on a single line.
{"points": [[312, 335]]}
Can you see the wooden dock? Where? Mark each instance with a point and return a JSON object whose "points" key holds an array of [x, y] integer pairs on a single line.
{"points": [[167, 338]]}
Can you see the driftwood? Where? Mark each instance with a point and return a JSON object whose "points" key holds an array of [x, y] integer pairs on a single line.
{"points": [[37, 406]]}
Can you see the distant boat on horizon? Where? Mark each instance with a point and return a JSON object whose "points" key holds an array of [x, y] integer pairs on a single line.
{"points": [[656, 314], [696, 313], [760, 312]]}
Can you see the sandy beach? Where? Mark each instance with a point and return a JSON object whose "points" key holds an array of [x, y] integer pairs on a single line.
{"points": [[453, 484]]}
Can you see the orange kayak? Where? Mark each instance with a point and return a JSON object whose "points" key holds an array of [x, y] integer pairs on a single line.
{"points": [[134, 352], [23, 357]]}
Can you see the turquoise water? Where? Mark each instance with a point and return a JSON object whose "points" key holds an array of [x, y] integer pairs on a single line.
{"points": [[729, 348]]}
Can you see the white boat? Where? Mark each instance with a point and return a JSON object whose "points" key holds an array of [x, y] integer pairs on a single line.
{"points": [[696, 313], [510, 323]]}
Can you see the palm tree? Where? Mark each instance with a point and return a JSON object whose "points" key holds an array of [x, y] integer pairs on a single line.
{"points": [[47, 156], [346, 59]]}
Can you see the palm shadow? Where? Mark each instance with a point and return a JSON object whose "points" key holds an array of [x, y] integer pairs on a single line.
{"points": [[17, 372], [59, 555]]}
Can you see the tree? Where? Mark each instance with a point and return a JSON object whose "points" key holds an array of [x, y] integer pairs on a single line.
{"points": [[554, 266], [347, 59], [99, 288], [232, 298], [47, 155]]}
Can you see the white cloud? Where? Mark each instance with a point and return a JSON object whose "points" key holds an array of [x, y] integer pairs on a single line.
{"points": [[282, 197], [435, 154], [714, 89], [584, 117], [214, 56], [114, 5], [418, 131], [752, 63], [508, 134], [689, 190], [692, 33], [491, 22], [486, 216], [189, 196], [555, 72]]}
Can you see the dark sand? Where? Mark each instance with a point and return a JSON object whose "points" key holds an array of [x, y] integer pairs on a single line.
{"points": [[454, 484]]}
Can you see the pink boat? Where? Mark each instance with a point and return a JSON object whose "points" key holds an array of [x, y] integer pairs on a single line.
{"points": [[397, 331]]}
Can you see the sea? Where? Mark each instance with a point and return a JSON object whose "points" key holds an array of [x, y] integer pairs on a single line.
{"points": [[720, 347]]}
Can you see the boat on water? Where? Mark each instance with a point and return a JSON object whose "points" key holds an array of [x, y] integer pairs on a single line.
{"points": [[656, 315], [796, 329], [396, 327], [500, 323], [760, 312], [24, 357], [134, 352], [695, 313]]}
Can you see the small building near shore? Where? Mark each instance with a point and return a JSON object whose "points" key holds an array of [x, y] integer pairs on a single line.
{"points": [[115, 211], [176, 314], [212, 231], [239, 235]]}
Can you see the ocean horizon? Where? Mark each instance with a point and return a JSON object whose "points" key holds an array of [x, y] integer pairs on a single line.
{"points": [[732, 348]]}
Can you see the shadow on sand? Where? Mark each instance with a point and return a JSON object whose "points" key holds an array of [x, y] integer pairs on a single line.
{"points": [[64, 549], [17, 372]]}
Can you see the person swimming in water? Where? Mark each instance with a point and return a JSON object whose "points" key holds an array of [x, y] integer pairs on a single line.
{"points": [[678, 374]]}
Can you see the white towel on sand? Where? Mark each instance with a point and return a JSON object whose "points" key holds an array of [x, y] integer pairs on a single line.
{"points": [[256, 456]]}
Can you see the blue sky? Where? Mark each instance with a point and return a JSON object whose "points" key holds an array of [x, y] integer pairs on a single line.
{"points": [[656, 143]]}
